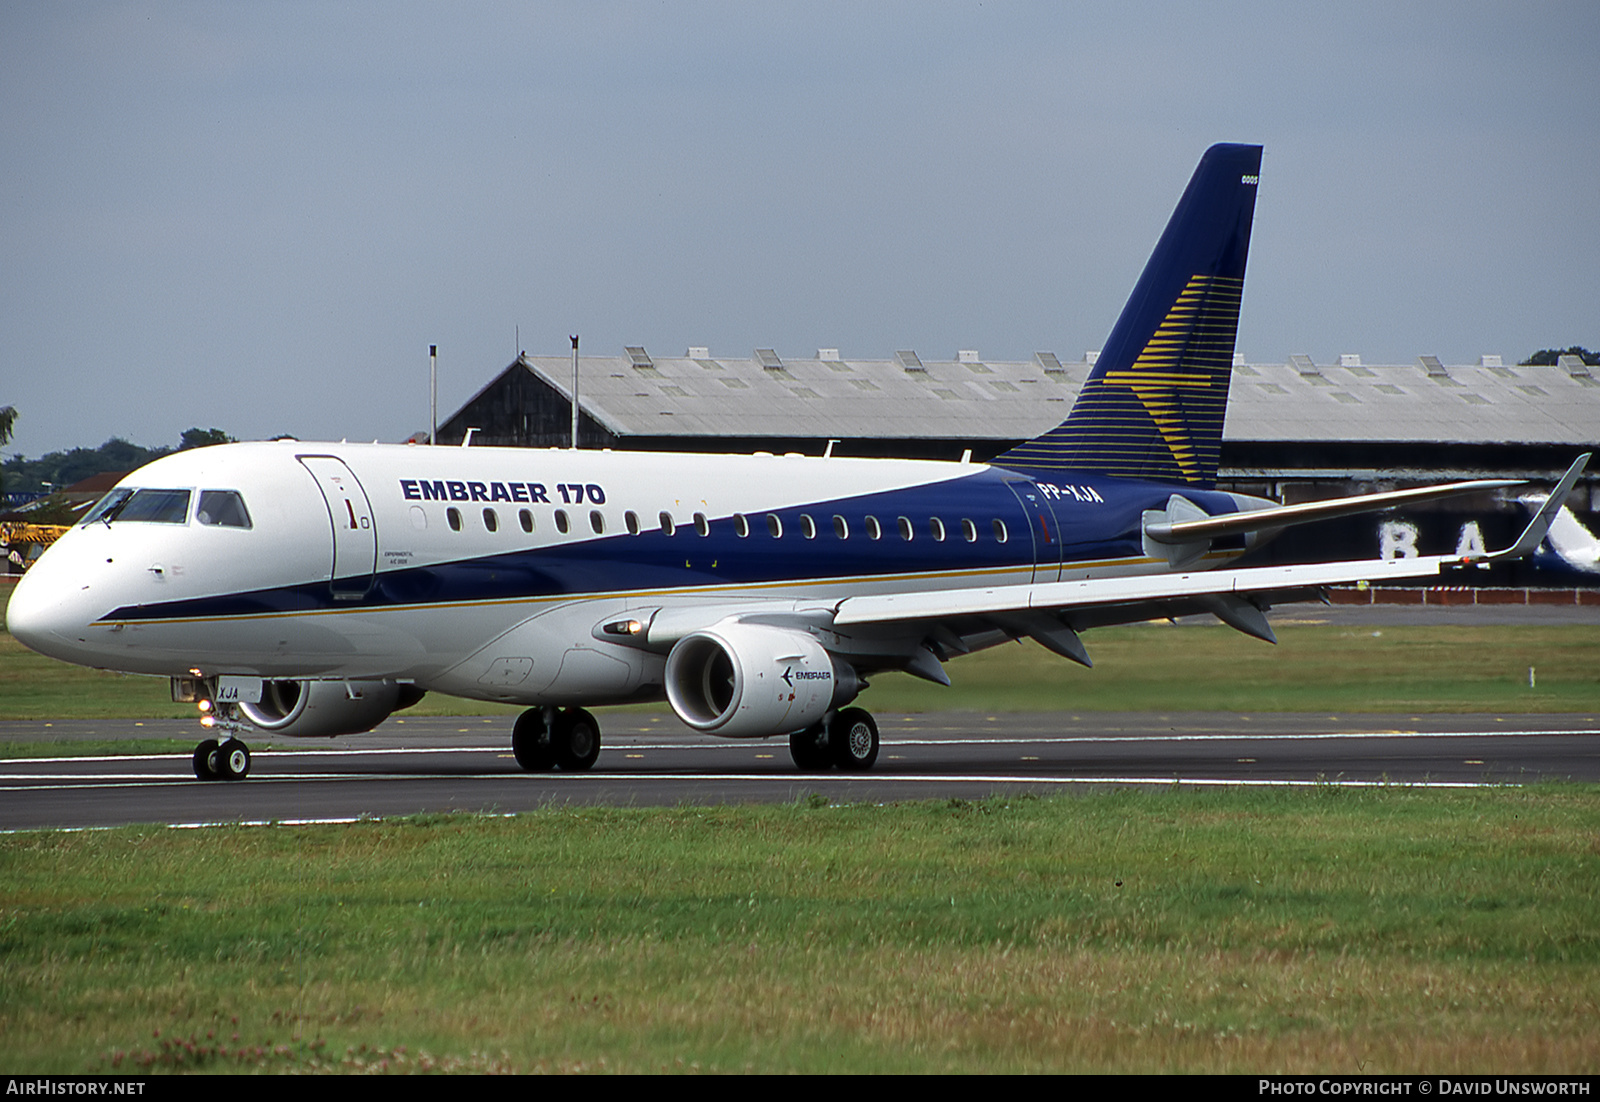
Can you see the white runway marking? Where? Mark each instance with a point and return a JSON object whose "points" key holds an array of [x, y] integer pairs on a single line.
{"points": [[557, 777]]}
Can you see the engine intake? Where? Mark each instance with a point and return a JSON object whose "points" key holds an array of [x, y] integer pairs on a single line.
{"points": [[742, 680]]}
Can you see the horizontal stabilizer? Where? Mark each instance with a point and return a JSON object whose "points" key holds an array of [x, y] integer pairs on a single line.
{"points": [[1256, 520]]}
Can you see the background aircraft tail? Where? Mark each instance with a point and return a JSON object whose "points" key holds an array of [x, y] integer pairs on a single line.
{"points": [[1153, 405]]}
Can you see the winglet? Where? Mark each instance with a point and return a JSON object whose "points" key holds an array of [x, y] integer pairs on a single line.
{"points": [[1534, 533]]}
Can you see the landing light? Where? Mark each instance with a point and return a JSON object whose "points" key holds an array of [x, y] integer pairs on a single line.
{"points": [[623, 627]]}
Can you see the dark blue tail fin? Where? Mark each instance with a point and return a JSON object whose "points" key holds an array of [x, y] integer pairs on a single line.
{"points": [[1153, 405]]}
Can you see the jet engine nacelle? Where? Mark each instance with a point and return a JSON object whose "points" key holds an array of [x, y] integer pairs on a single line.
{"points": [[323, 709], [742, 680]]}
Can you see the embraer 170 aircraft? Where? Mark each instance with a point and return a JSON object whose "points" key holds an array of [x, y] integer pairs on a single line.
{"points": [[313, 589]]}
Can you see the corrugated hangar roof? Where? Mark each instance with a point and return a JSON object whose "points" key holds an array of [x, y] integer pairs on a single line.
{"points": [[638, 394], [770, 396]]}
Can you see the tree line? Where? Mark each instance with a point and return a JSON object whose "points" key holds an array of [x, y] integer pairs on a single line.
{"points": [[58, 470], [1547, 357]]}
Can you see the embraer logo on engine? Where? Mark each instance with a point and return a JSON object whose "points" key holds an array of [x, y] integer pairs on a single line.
{"points": [[789, 673]]}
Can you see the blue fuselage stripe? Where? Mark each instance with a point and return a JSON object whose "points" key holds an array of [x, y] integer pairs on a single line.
{"points": [[1065, 526]]}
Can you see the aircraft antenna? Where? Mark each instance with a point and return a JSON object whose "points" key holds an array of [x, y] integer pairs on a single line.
{"points": [[433, 385], [574, 393]]}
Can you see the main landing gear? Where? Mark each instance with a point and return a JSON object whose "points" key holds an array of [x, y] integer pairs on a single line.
{"points": [[569, 739], [545, 738], [849, 740], [228, 760]]}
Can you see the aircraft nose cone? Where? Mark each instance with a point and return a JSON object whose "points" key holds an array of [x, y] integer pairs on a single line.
{"points": [[37, 617]]}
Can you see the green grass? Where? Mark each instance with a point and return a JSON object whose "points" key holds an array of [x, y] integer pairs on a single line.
{"points": [[1327, 930], [1323, 930], [1313, 668]]}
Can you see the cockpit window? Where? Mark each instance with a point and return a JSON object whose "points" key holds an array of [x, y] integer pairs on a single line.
{"points": [[153, 506], [106, 504], [156, 506], [224, 508]]}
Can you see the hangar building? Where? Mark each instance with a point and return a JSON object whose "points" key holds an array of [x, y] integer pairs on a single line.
{"points": [[1295, 431]]}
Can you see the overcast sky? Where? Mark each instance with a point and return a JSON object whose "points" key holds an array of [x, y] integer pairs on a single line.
{"points": [[258, 216]]}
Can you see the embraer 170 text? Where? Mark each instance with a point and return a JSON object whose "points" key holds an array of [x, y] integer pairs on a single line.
{"points": [[313, 589]]}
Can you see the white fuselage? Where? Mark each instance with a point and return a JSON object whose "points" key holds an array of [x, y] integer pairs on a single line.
{"points": [[487, 572]]}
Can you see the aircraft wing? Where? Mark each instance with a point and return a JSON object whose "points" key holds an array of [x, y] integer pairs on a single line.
{"points": [[1053, 612], [1141, 589]]}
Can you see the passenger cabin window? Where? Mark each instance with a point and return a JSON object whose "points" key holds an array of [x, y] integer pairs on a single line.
{"points": [[597, 522], [808, 527], [936, 529], [702, 526], [631, 519], [667, 527], [775, 525], [490, 520], [969, 531], [525, 518], [873, 530], [741, 525], [841, 527], [453, 516], [1000, 534], [904, 524], [563, 525], [222, 509]]}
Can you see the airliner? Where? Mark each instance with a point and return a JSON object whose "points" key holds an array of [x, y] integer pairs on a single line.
{"points": [[312, 590], [1574, 550]]}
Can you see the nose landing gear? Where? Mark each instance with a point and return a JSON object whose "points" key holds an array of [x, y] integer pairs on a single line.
{"points": [[222, 761], [227, 759]]}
